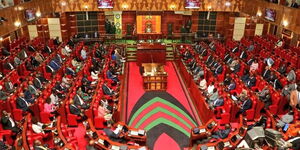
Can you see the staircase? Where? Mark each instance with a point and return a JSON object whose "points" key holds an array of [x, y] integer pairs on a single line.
{"points": [[131, 50]]}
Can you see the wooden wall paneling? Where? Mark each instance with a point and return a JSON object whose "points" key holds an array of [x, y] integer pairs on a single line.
{"points": [[128, 17], [282, 13], [142, 5], [195, 21], [65, 33], [17, 13], [101, 23], [72, 23]]}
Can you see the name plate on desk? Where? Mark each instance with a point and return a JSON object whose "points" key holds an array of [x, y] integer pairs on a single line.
{"points": [[141, 132], [134, 133], [202, 130], [113, 147]]}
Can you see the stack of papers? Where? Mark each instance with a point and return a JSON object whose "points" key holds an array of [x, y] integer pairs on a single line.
{"points": [[202, 131], [113, 147], [101, 141], [134, 133], [141, 132]]}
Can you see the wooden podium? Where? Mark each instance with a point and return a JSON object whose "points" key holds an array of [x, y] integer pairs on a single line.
{"points": [[154, 77], [151, 53]]}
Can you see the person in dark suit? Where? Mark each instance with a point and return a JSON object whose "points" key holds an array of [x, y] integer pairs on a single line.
{"points": [[9, 87], [8, 123], [79, 102], [231, 86], [222, 134], [226, 57], [294, 4], [235, 49], [56, 41], [243, 55], [264, 95], [31, 48], [5, 52], [245, 77], [250, 61], [219, 69], [54, 65], [22, 54], [22, 103], [112, 135], [91, 145], [47, 49], [106, 90], [218, 102], [32, 89], [227, 80], [8, 66], [3, 95], [282, 69], [74, 109], [246, 105], [251, 81], [38, 146], [28, 96], [38, 81], [266, 73], [209, 60], [277, 84], [111, 76]]}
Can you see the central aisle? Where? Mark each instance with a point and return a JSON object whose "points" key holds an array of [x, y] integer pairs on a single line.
{"points": [[167, 116]]}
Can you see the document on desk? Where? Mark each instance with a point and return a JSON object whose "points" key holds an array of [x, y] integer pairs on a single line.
{"points": [[134, 132], [202, 131], [141, 132], [118, 129], [113, 147], [101, 141]]}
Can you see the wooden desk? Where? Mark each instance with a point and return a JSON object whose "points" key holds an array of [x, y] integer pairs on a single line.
{"points": [[204, 131], [151, 53], [154, 77], [133, 134], [145, 36]]}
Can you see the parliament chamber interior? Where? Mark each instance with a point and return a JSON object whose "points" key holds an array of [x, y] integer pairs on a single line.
{"points": [[149, 75]]}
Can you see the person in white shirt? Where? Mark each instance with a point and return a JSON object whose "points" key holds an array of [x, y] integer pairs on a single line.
{"points": [[210, 88], [54, 98], [202, 83]]}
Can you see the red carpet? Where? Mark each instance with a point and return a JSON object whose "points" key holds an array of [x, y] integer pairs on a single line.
{"points": [[170, 144], [135, 87], [80, 133]]}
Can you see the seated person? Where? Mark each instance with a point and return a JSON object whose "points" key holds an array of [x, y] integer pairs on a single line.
{"points": [[66, 51], [3, 94], [212, 97], [109, 75], [264, 95], [243, 55], [291, 76], [235, 66], [47, 49], [218, 102], [49, 107], [76, 111], [17, 61], [222, 134], [107, 90], [8, 66], [231, 86], [210, 88], [262, 122], [269, 61], [219, 69], [31, 48], [38, 146], [76, 64], [79, 102], [288, 89], [54, 65], [202, 83], [9, 87], [54, 97], [28, 96], [91, 145], [282, 69], [32, 89], [245, 76], [285, 119], [5, 52], [251, 81], [38, 81], [114, 135], [39, 127], [244, 106], [266, 73], [83, 53], [22, 103], [295, 98], [8, 123], [227, 80], [197, 72], [66, 81]]}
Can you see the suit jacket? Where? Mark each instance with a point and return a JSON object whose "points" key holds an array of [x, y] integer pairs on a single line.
{"points": [[246, 105], [106, 90], [22, 55], [74, 109], [291, 76], [231, 86], [277, 84], [227, 56], [221, 134], [294, 98], [3, 95], [209, 59], [266, 74], [294, 5], [218, 102], [250, 61], [236, 49], [32, 89], [282, 69], [31, 48], [49, 69], [9, 87], [6, 124], [251, 82], [37, 83], [54, 65], [22, 104], [204, 52], [219, 70], [236, 68], [8, 66], [243, 55]]}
